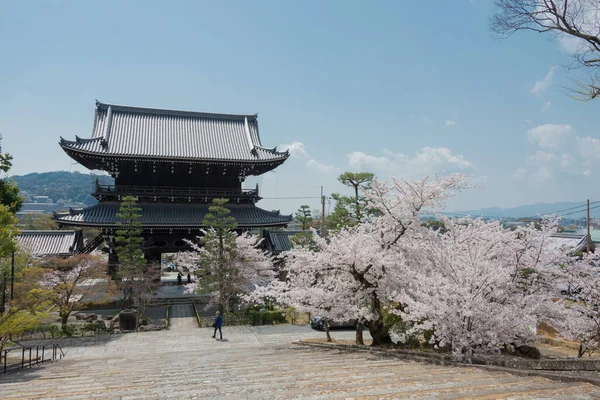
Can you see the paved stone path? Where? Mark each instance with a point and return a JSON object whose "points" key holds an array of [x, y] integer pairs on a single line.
{"points": [[182, 318], [258, 363]]}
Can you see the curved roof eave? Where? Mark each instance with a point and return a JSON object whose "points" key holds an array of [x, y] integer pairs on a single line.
{"points": [[283, 156]]}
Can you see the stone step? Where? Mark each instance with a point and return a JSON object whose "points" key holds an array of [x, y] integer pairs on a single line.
{"points": [[258, 363]]}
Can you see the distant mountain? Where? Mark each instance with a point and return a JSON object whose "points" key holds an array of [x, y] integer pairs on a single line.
{"points": [[570, 210], [60, 186]]}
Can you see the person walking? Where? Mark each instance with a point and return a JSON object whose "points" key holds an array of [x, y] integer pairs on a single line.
{"points": [[217, 325]]}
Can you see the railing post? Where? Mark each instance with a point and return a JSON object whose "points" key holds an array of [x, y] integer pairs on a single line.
{"points": [[43, 349], [23, 359], [37, 355], [5, 357], [30, 357]]}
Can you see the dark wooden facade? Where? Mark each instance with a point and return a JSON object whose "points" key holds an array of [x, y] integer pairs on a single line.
{"points": [[175, 163]]}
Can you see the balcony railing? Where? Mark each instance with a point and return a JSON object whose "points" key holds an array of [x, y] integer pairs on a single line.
{"points": [[176, 192]]}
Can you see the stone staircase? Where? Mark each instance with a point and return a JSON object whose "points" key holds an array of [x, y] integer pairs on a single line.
{"points": [[259, 363], [182, 317]]}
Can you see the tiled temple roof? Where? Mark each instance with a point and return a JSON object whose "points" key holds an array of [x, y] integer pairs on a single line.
{"points": [[175, 216], [47, 243], [168, 134], [278, 241]]}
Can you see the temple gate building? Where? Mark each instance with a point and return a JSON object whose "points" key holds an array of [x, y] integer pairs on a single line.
{"points": [[175, 163]]}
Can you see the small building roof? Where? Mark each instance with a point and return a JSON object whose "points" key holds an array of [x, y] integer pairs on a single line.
{"points": [[125, 131], [154, 215], [568, 242], [278, 241], [51, 243]]}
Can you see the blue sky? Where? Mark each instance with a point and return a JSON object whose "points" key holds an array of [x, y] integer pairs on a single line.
{"points": [[396, 88]]}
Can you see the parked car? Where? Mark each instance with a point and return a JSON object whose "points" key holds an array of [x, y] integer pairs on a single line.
{"points": [[318, 323]]}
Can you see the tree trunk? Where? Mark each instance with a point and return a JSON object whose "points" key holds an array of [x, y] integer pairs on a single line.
{"points": [[359, 333], [581, 350], [137, 318], [380, 333], [226, 312], [63, 320], [326, 324]]}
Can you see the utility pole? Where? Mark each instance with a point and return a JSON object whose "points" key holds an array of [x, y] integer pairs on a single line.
{"points": [[589, 239], [322, 213]]}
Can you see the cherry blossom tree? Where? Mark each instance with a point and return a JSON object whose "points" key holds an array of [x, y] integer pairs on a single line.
{"points": [[353, 273], [66, 281], [480, 288], [580, 316]]}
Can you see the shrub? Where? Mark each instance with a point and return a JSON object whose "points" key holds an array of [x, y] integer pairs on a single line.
{"points": [[70, 330], [90, 327], [52, 330], [265, 317]]}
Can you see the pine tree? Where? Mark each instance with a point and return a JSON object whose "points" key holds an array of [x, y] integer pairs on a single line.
{"points": [[303, 217], [137, 280], [226, 264]]}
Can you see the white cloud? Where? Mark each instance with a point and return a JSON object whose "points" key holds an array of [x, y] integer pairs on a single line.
{"points": [[561, 154], [570, 44], [540, 86], [520, 173], [551, 135], [588, 147], [296, 149], [360, 159], [312, 163], [427, 160], [547, 105], [450, 123]]}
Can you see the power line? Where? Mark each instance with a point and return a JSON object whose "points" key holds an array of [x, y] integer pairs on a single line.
{"points": [[579, 211], [572, 208]]}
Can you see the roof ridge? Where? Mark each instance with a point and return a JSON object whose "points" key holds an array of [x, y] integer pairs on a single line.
{"points": [[176, 113], [30, 231]]}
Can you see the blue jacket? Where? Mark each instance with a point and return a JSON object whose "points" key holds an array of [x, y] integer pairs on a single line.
{"points": [[218, 321]]}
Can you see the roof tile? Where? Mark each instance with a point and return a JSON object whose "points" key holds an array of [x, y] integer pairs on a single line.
{"points": [[144, 132]]}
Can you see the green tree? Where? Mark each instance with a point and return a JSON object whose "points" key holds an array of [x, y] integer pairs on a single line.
{"points": [[217, 272], [129, 236], [351, 210], [38, 222], [303, 239], [218, 218], [436, 225], [9, 191], [8, 232], [28, 307], [303, 217], [136, 279]]}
